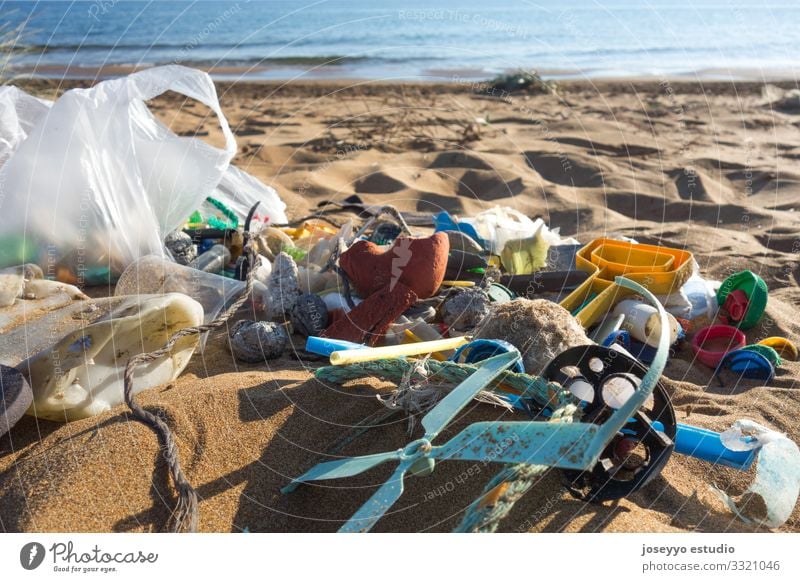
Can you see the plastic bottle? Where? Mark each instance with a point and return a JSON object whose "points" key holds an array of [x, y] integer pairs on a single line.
{"points": [[643, 323], [213, 260], [702, 296]]}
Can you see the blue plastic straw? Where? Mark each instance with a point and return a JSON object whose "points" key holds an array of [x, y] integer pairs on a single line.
{"points": [[325, 346]]}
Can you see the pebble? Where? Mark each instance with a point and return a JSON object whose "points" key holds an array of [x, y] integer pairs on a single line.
{"points": [[309, 315], [283, 288], [181, 246], [257, 341]]}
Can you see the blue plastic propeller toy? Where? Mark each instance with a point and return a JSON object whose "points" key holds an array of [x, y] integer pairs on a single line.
{"points": [[572, 446]]}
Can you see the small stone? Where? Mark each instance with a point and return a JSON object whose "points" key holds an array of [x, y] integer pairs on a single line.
{"points": [[181, 246], [309, 315], [283, 288], [257, 341]]}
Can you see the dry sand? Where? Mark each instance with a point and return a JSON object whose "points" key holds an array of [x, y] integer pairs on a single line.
{"points": [[605, 158]]}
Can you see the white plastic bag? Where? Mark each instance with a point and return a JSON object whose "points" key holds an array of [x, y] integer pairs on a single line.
{"points": [[96, 182], [239, 191]]}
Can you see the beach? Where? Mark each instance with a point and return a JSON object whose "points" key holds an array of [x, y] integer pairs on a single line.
{"points": [[705, 166]]}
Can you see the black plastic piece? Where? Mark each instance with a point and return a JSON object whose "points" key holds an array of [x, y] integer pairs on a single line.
{"points": [[639, 451]]}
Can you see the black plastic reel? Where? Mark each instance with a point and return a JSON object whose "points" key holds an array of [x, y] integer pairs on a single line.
{"points": [[603, 379]]}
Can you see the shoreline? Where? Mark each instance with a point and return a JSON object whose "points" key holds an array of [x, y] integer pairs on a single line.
{"points": [[319, 87], [347, 73]]}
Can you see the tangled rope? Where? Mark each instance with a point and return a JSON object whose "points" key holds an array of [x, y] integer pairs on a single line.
{"points": [[506, 488], [184, 516], [544, 393]]}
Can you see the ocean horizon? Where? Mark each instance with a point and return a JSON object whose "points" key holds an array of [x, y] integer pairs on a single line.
{"points": [[405, 40]]}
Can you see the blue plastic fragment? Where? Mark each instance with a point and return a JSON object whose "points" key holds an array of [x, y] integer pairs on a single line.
{"points": [[482, 349], [706, 445], [444, 221]]}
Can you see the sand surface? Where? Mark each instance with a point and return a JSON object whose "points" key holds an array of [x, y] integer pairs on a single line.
{"points": [[709, 168]]}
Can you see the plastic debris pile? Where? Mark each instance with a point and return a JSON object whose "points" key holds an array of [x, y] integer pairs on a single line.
{"points": [[572, 337]]}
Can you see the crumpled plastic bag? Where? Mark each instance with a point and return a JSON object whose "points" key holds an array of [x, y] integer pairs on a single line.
{"points": [[777, 481], [92, 182]]}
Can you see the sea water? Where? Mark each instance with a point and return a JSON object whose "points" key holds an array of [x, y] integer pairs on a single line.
{"points": [[408, 39]]}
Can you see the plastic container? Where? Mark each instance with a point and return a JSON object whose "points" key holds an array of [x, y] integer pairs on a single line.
{"points": [[597, 294], [621, 259], [643, 322], [213, 260]]}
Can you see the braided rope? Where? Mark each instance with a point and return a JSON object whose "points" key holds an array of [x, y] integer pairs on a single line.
{"points": [[185, 515], [549, 394]]}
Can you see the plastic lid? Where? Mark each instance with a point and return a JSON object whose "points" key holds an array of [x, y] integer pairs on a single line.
{"points": [[784, 347], [727, 336], [748, 364], [754, 288], [766, 351]]}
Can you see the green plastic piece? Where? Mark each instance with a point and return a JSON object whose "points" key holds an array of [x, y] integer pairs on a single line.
{"points": [[770, 353], [589, 299], [757, 293], [296, 253], [15, 250], [499, 293], [196, 218]]}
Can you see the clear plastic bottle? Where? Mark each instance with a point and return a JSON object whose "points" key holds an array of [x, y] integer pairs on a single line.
{"points": [[213, 260]]}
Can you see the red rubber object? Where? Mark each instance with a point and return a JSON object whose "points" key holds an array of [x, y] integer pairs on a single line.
{"points": [[710, 344]]}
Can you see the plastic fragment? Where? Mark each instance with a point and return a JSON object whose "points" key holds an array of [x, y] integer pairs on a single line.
{"points": [[777, 482]]}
